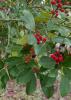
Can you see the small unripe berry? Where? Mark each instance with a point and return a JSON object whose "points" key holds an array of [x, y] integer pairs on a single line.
{"points": [[28, 59], [35, 69]]}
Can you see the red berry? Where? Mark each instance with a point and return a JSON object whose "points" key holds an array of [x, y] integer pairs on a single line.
{"points": [[53, 57], [62, 10], [57, 57], [59, 5], [53, 12], [53, 2], [59, 1], [40, 37], [37, 34], [57, 14], [38, 42], [56, 11], [44, 40], [60, 58], [57, 53]]}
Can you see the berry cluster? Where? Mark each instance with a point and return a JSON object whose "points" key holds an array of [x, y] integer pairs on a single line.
{"points": [[60, 49], [32, 52], [58, 7], [40, 38], [57, 57], [30, 56]]}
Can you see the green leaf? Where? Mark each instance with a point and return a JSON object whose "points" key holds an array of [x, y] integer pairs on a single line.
{"points": [[67, 41], [13, 61], [47, 85], [1, 64], [4, 80], [13, 71], [52, 26], [31, 39], [28, 20], [47, 81], [53, 73], [2, 14], [13, 31], [43, 79], [22, 40], [67, 72], [37, 49], [65, 86], [48, 91], [2, 73], [58, 39], [31, 86], [40, 49], [50, 81], [67, 61], [43, 16], [64, 31], [25, 76], [47, 62]]}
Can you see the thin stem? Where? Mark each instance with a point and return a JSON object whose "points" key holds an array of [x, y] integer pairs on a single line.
{"points": [[2, 69], [5, 67], [7, 73], [11, 20]]}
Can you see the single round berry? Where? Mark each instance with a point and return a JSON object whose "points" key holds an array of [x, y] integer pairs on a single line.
{"points": [[44, 40], [59, 1], [53, 2], [53, 12], [62, 10], [59, 5], [38, 42], [56, 13]]}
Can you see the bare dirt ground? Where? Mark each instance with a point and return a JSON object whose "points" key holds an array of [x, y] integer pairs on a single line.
{"points": [[20, 94]]}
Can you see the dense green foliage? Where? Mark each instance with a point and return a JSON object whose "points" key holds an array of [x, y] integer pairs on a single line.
{"points": [[19, 20]]}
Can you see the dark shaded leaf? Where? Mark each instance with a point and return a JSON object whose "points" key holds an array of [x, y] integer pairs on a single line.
{"points": [[47, 62], [31, 86], [25, 76], [65, 86]]}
